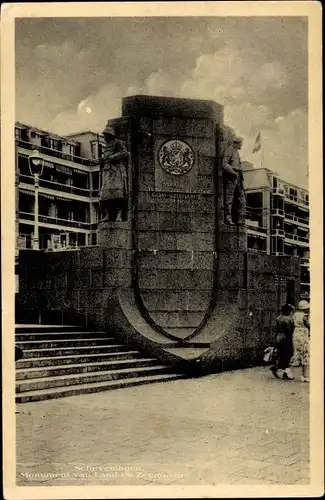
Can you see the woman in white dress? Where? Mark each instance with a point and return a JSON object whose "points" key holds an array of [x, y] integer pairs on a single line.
{"points": [[301, 338]]}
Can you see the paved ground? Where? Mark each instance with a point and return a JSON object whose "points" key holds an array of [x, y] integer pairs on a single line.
{"points": [[241, 427]]}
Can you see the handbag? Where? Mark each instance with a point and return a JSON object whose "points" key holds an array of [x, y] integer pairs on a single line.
{"points": [[269, 354]]}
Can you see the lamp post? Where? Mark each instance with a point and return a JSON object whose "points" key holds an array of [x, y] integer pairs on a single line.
{"points": [[36, 163]]}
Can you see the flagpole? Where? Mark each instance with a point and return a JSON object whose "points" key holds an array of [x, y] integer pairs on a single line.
{"points": [[262, 150]]}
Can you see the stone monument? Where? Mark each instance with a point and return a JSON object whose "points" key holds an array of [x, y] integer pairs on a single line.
{"points": [[172, 279]]}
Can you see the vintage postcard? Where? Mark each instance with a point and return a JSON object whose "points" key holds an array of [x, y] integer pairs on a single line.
{"points": [[162, 249]]}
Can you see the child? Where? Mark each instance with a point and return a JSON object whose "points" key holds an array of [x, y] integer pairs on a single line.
{"points": [[301, 338]]}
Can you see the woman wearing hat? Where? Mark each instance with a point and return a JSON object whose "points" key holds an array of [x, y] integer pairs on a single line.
{"points": [[113, 193], [301, 337]]}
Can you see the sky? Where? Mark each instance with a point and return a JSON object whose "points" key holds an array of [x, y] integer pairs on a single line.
{"points": [[71, 75]]}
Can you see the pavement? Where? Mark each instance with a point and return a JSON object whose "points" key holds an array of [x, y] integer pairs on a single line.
{"points": [[240, 427]]}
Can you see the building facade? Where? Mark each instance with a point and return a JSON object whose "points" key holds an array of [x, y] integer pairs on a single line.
{"points": [[277, 212], [67, 193], [278, 218]]}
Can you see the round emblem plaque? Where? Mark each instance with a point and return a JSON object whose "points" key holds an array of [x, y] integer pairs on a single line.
{"points": [[176, 157]]}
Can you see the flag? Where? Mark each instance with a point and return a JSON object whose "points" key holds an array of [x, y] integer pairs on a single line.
{"points": [[257, 145]]}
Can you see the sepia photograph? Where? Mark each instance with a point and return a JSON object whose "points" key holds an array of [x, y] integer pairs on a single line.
{"points": [[162, 249]]}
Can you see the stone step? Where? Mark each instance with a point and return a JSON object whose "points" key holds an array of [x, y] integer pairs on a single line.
{"points": [[25, 337], [57, 371], [74, 390], [67, 360], [47, 328], [87, 378], [67, 351], [39, 344]]}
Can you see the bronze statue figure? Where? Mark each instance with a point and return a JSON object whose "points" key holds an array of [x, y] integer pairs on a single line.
{"points": [[113, 194], [234, 195]]}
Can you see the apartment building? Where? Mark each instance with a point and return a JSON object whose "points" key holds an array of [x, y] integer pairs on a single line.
{"points": [[68, 188], [277, 212], [277, 218]]}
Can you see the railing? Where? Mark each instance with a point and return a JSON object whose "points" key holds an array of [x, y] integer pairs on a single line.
{"points": [[25, 242], [27, 179], [304, 221], [56, 186], [290, 236], [279, 191], [47, 219], [56, 153], [305, 261], [259, 229], [277, 232], [66, 188], [26, 215], [256, 250], [277, 211], [296, 199], [291, 217], [303, 239]]}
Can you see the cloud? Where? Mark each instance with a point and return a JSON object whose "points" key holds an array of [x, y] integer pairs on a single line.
{"points": [[256, 68], [229, 77], [285, 147], [91, 113], [270, 76], [59, 77]]}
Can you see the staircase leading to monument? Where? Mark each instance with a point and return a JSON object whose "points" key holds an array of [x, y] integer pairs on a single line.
{"points": [[66, 361]]}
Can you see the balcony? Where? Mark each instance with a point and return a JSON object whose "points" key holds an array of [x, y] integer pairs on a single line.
{"points": [[56, 186], [303, 239], [302, 221], [297, 200], [279, 212], [256, 250], [25, 242], [278, 191], [277, 232], [291, 218], [290, 237], [304, 203], [56, 153], [27, 216], [304, 262], [255, 228], [46, 219]]}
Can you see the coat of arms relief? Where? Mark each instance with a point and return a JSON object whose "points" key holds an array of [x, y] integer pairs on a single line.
{"points": [[176, 157]]}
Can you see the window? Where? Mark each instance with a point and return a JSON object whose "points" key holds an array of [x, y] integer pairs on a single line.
{"points": [[24, 135], [17, 133], [45, 141], [55, 144], [33, 134]]}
